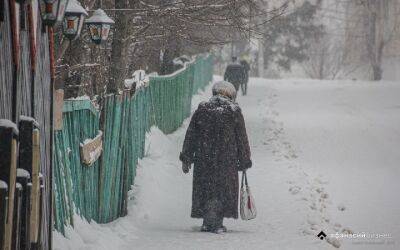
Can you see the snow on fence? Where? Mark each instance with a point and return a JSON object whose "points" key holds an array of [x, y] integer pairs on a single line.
{"points": [[26, 89], [99, 191]]}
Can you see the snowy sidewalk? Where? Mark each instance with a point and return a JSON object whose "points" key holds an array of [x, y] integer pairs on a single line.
{"points": [[291, 190]]}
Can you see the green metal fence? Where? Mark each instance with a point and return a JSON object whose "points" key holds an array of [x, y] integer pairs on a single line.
{"points": [[99, 191]]}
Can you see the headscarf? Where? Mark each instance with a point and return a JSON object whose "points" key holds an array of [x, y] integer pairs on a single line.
{"points": [[224, 88]]}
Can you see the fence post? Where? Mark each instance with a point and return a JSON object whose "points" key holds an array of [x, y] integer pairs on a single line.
{"points": [[36, 205], [3, 210], [28, 176], [24, 178], [8, 172], [15, 244], [30, 163]]}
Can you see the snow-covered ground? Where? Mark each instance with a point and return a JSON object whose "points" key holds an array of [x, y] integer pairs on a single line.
{"points": [[325, 157]]}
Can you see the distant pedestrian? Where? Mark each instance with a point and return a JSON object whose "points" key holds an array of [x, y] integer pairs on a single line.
{"points": [[216, 142], [246, 67], [235, 73]]}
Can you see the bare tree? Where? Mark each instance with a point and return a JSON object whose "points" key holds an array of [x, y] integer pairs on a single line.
{"points": [[327, 59], [148, 34], [378, 32], [378, 24]]}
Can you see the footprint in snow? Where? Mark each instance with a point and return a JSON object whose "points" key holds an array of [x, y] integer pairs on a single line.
{"points": [[319, 181], [341, 207], [337, 227], [333, 241], [312, 221], [347, 230], [319, 189], [308, 232], [294, 190], [313, 206]]}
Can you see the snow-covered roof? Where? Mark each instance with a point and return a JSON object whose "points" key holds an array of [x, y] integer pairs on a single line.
{"points": [[9, 124], [178, 61], [99, 16], [29, 119], [75, 7], [23, 173], [3, 185], [79, 98], [224, 88], [181, 60], [139, 77]]}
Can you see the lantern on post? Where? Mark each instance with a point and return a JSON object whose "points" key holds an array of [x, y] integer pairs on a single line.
{"points": [[99, 26], [52, 11], [73, 19]]}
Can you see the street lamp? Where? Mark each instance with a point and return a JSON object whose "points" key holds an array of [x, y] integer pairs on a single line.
{"points": [[52, 11], [99, 26], [73, 19]]}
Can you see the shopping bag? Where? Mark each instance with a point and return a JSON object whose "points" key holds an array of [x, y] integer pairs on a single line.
{"points": [[248, 209]]}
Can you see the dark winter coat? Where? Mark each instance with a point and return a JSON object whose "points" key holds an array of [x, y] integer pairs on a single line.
{"points": [[216, 142], [235, 73], [246, 67]]}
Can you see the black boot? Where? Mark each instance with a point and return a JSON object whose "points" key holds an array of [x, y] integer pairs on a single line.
{"points": [[220, 228], [205, 227], [213, 218]]}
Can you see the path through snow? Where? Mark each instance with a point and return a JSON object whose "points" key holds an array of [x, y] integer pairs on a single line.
{"points": [[289, 180]]}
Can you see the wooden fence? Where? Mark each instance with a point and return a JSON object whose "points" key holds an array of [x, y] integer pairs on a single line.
{"points": [[98, 190], [95, 189], [25, 90]]}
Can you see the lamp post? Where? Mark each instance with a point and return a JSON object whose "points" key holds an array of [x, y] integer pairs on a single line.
{"points": [[99, 26], [52, 11], [73, 20]]}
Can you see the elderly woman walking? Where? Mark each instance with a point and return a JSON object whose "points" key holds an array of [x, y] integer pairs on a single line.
{"points": [[216, 143]]}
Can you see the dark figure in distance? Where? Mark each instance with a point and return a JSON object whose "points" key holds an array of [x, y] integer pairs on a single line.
{"points": [[246, 67], [216, 143], [235, 73]]}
